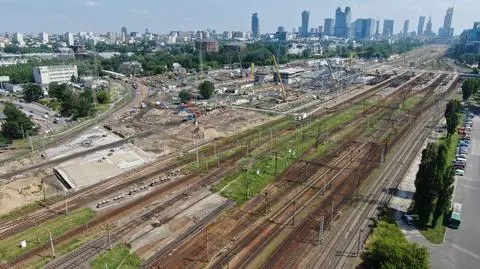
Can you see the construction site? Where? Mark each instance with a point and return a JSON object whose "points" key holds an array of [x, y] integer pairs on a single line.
{"points": [[265, 174]]}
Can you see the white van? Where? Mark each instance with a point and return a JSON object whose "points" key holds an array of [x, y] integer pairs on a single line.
{"points": [[459, 172], [461, 160]]}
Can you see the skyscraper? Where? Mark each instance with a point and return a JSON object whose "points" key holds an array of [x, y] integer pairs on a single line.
{"points": [[447, 31], [342, 22], [405, 27], [364, 28], [255, 25], [377, 29], [328, 26], [124, 34], [387, 28], [421, 24], [305, 18], [69, 39], [18, 38], [43, 37], [428, 31]]}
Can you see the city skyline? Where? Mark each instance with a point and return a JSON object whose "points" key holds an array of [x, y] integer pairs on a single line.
{"points": [[109, 15]]}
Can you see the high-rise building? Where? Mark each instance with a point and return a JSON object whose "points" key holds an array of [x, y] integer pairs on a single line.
{"points": [[18, 38], [305, 18], [124, 34], [328, 26], [377, 29], [469, 41], [421, 24], [112, 36], [58, 73], [320, 29], [447, 31], [43, 37], [69, 39], [364, 28], [255, 25], [388, 28], [342, 22], [428, 31], [405, 27]]}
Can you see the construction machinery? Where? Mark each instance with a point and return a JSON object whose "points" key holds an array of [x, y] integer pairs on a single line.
{"points": [[282, 87]]}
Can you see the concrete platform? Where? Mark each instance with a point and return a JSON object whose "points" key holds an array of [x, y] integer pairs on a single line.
{"points": [[96, 135], [100, 165]]}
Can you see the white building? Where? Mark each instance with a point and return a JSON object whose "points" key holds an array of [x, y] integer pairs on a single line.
{"points": [[18, 38], [69, 39], [45, 75], [43, 38]]}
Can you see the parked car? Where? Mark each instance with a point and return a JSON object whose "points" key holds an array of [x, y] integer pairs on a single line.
{"points": [[408, 219], [459, 172]]}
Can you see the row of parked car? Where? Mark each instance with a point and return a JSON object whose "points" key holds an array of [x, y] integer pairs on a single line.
{"points": [[462, 148]]}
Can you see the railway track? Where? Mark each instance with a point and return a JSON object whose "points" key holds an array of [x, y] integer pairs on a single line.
{"points": [[399, 92], [55, 206], [214, 176], [300, 242]]}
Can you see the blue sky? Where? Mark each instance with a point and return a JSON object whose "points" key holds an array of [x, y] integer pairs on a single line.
{"points": [[32, 16]]}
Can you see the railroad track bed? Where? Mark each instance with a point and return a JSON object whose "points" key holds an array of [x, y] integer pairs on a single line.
{"points": [[275, 205]]}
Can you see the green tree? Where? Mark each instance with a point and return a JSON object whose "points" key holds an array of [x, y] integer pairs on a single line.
{"points": [[469, 87], [452, 122], [425, 193], [390, 249], [17, 124], [206, 89], [184, 96], [444, 194], [32, 92], [103, 97]]}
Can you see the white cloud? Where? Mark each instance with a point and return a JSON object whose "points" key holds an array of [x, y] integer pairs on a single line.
{"points": [[140, 11], [91, 3]]}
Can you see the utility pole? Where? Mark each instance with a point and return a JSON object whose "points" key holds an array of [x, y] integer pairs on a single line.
{"points": [[331, 220], [43, 190], [198, 159], [206, 243], [359, 242], [51, 244], [320, 230], [276, 157], [247, 193], [293, 214], [215, 148], [66, 204], [266, 202], [108, 228]]}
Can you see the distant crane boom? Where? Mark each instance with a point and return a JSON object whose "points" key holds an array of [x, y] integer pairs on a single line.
{"points": [[283, 91]]}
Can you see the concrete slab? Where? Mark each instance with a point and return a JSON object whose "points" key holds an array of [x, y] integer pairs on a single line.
{"points": [[97, 135]]}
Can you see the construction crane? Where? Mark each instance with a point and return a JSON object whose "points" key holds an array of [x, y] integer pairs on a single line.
{"points": [[282, 87]]}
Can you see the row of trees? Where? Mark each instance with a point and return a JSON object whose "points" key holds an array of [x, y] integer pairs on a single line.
{"points": [[469, 87], [433, 184], [390, 249], [435, 177], [17, 124]]}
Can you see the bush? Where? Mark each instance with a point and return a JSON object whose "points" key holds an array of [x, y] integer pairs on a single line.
{"points": [[390, 249]]}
